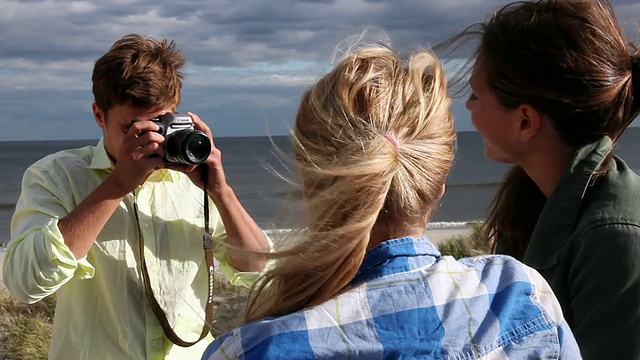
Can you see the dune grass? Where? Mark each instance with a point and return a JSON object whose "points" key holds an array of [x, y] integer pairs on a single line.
{"points": [[467, 245], [25, 330], [229, 302]]}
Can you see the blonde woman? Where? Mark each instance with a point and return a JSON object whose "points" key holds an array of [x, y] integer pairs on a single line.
{"points": [[374, 142]]}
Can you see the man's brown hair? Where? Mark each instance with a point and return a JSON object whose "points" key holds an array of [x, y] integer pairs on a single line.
{"points": [[138, 71]]}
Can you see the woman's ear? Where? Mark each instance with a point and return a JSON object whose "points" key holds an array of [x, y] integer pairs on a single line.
{"points": [[442, 191], [529, 123]]}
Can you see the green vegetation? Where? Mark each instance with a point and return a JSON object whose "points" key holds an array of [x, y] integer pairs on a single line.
{"points": [[467, 245], [25, 330]]}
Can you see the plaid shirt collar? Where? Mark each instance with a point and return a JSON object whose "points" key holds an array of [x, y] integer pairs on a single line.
{"points": [[390, 257]]}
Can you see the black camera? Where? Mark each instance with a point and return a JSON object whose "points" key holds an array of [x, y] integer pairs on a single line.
{"points": [[183, 143]]}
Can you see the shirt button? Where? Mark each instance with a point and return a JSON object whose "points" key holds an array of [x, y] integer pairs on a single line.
{"points": [[146, 226], [155, 343]]}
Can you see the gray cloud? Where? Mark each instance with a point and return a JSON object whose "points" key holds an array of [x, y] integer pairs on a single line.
{"points": [[248, 61]]}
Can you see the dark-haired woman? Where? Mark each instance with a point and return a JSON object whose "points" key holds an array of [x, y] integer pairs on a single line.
{"points": [[553, 86]]}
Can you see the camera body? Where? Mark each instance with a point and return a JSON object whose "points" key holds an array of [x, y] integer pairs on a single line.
{"points": [[183, 143]]}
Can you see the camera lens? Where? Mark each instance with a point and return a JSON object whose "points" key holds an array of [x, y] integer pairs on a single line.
{"points": [[187, 147], [197, 147]]}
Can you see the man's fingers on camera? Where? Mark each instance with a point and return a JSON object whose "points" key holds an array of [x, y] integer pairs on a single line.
{"points": [[200, 125], [139, 126], [145, 137]]}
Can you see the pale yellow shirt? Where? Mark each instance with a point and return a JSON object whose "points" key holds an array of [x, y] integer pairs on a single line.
{"points": [[102, 311]]}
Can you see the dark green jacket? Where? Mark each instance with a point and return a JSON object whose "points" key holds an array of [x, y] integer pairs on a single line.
{"points": [[587, 245]]}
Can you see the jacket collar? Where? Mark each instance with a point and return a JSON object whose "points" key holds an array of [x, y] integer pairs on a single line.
{"points": [[560, 214]]}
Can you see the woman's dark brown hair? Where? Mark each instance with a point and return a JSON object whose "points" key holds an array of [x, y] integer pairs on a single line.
{"points": [[570, 60]]}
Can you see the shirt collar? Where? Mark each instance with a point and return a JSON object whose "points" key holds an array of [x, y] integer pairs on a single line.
{"points": [[102, 161], [392, 256], [560, 213]]}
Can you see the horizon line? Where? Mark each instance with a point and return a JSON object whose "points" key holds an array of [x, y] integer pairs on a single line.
{"points": [[216, 137]]}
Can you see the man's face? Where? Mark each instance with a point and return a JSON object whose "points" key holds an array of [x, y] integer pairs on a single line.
{"points": [[116, 123]]}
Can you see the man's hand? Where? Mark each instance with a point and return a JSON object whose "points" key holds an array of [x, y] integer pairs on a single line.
{"points": [[216, 180], [140, 154], [241, 230]]}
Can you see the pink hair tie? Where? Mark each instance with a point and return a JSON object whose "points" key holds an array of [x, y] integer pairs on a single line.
{"points": [[393, 141]]}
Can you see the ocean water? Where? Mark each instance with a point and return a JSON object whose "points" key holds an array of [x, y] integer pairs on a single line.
{"points": [[251, 165]]}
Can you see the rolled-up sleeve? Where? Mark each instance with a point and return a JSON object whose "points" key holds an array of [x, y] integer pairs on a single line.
{"points": [[240, 278], [38, 262]]}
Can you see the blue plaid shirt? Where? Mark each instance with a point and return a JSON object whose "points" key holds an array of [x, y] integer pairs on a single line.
{"points": [[408, 301]]}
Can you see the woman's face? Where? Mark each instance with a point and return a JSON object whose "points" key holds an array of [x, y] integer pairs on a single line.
{"points": [[497, 125]]}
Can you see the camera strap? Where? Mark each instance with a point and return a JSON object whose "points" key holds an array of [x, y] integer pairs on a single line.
{"points": [[207, 243]]}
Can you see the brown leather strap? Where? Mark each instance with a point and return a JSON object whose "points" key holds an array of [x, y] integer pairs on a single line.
{"points": [[157, 310]]}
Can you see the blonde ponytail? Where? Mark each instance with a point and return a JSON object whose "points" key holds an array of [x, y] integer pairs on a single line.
{"points": [[354, 176]]}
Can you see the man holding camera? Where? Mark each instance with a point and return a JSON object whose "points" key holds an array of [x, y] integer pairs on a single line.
{"points": [[116, 230]]}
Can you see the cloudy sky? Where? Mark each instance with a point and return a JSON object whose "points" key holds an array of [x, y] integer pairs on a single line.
{"points": [[248, 60]]}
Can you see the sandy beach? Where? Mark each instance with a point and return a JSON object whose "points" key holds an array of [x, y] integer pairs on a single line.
{"points": [[438, 235]]}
